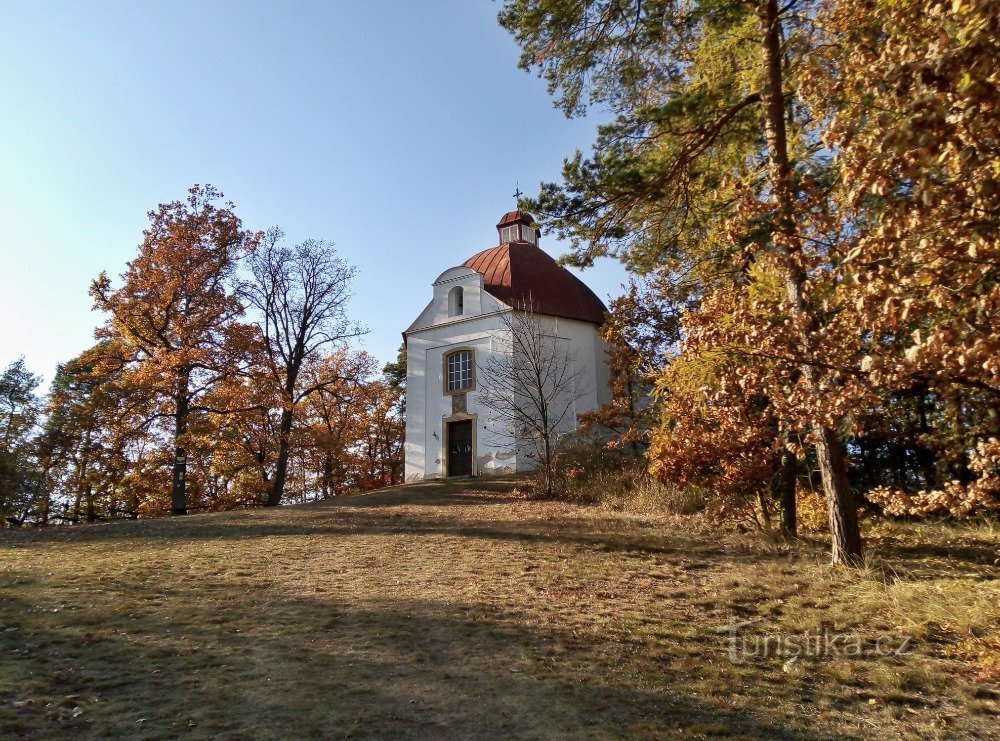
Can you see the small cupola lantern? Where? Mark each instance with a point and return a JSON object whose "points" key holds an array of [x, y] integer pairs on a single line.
{"points": [[517, 226]]}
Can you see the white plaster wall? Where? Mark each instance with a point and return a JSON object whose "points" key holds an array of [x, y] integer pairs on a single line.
{"points": [[427, 405], [590, 354]]}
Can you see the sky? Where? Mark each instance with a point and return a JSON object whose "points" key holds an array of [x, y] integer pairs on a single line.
{"points": [[396, 129]]}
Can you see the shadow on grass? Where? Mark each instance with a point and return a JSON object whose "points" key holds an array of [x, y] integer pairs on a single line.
{"points": [[345, 522], [453, 511], [982, 555], [317, 668]]}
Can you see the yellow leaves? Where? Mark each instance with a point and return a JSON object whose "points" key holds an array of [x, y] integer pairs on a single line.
{"points": [[765, 287], [697, 372]]}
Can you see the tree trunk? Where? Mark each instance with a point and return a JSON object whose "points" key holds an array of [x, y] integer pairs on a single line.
{"points": [[327, 475], [785, 492], [89, 498], [178, 496], [926, 456], [765, 511], [843, 514], [281, 467], [88, 488], [844, 530], [45, 507], [547, 461], [632, 417], [77, 499], [44, 498]]}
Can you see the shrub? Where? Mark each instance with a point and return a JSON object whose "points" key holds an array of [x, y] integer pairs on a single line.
{"points": [[810, 509], [586, 472]]}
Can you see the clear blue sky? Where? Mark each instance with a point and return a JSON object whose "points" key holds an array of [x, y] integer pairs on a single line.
{"points": [[397, 129]]}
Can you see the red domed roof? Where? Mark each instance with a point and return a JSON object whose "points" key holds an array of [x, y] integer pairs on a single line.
{"points": [[521, 275]]}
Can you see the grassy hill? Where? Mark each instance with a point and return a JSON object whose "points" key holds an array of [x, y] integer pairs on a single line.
{"points": [[457, 609]]}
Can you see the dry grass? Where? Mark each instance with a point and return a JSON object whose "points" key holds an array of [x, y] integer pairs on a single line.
{"points": [[587, 474], [457, 609]]}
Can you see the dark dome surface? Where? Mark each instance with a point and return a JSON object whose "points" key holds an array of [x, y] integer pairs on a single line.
{"points": [[515, 217], [522, 275]]}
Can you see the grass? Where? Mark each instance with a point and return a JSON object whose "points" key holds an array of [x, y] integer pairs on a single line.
{"points": [[458, 609]]}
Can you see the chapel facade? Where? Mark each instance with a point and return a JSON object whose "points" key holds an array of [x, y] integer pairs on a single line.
{"points": [[449, 432]]}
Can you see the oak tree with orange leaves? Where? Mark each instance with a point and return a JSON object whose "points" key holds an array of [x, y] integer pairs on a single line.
{"points": [[910, 93], [171, 322]]}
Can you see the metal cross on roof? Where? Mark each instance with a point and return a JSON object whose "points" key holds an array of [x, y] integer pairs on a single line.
{"points": [[517, 192]]}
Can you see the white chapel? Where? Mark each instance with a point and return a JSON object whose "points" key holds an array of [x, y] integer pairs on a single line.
{"points": [[449, 432]]}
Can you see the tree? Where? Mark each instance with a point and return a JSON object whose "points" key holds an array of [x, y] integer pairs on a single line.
{"points": [[240, 446], [529, 384], [701, 176], [19, 411], [172, 324], [395, 376], [787, 239], [300, 294], [334, 420], [908, 92], [641, 332], [70, 445], [383, 429]]}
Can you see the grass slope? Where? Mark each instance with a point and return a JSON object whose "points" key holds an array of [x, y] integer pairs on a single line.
{"points": [[457, 609]]}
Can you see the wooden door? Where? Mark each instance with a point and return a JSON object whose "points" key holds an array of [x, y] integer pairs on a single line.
{"points": [[460, 448]]}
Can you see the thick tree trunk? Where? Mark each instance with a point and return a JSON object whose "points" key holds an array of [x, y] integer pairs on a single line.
{"points": [[960, 466], [925, 454], [281, 467], [44, 502], [843, 513], [178, 495], [844, 530], [77, 499]]}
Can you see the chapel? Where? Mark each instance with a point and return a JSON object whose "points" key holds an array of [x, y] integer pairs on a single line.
{"points": [[449, 431]]}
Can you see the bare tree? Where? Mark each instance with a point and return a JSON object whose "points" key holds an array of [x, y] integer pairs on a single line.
{"points": [[300, 294], [530, 384]]}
